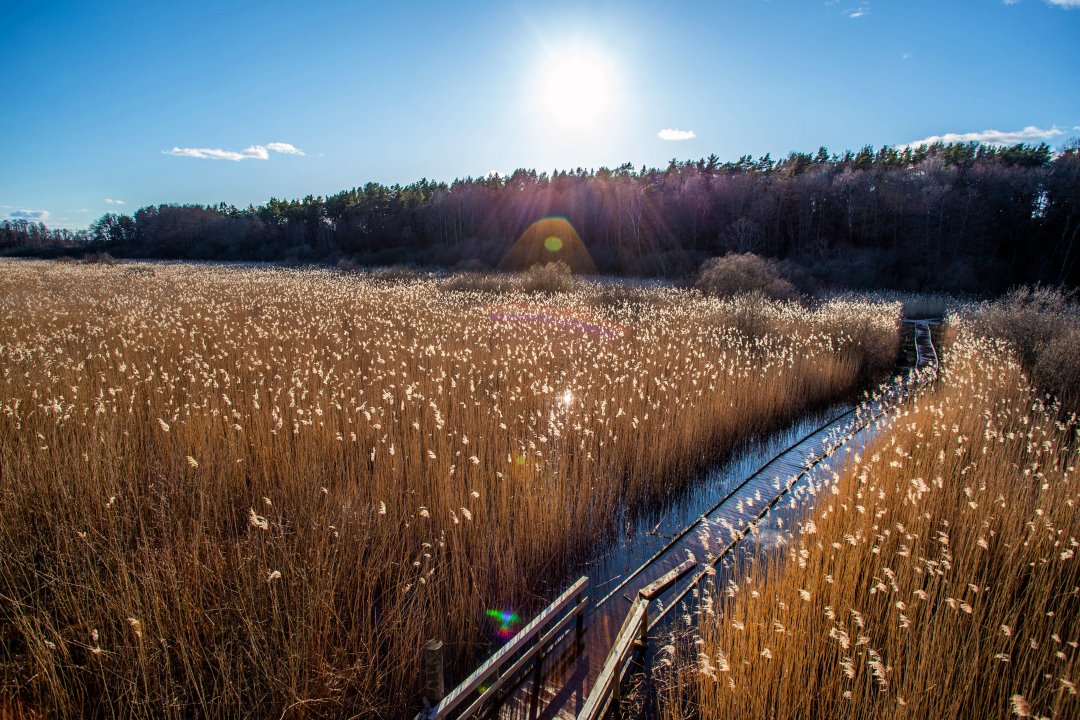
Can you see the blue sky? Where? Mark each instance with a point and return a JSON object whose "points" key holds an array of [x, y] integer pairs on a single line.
{"points": [[131, 102]]}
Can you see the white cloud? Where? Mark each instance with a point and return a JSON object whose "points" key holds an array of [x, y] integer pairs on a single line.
{"points": [[993, 137], [1067, 4], [38, 215], [857, 12], [111, 201], [906, 56], [255, 152], [284, 148], [673, 134]]}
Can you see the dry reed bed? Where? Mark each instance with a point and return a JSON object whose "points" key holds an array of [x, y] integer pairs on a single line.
{"points": [[256, 493], [1043, 326], [937, 576]]}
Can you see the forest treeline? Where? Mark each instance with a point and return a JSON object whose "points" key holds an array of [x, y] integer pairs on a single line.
{"points": [[960, 217]]}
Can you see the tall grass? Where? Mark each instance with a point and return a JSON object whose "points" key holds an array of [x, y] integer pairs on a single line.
{"points": [[256, 493], [1043, 326], [937, 577]]}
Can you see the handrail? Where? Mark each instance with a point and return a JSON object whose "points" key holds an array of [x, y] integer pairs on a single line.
{"points": [[637, 625], [727, 496], [608, 683], [666, 580], [533, 631], [748, 526], [838, 443], [633, 634]]}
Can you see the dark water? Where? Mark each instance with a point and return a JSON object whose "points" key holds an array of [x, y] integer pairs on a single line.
{"points": [[639, 539]]}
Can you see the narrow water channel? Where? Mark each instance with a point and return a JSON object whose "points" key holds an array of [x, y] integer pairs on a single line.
{"points": [[764, 486], [639, 539]]}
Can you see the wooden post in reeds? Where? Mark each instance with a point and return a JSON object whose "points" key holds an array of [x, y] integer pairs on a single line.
{"points": [[434, 689], [616, 695], [579, 630], [643, 641], [538, 678]]}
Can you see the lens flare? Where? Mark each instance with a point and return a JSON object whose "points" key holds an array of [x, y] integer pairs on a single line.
{"points": [[506, 621], [549, 239]]}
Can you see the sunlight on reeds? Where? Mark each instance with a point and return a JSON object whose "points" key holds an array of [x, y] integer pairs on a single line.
{"points": [[936, 577], [259, 492]]}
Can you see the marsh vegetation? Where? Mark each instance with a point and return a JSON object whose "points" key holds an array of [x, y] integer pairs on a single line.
{"points": [[936, 576], [257, 492]]}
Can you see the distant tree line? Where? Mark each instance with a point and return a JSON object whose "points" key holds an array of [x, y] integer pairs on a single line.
{"points": [[27, 236], [958, 216]]}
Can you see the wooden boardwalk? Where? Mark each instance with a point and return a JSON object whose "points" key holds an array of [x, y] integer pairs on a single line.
{"points": [[743, 520]]}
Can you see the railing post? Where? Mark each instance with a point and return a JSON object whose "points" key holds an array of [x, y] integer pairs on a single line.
{"points": [[538, 675], [644, 639], [616, 694], [434, 689], [580, 623]]}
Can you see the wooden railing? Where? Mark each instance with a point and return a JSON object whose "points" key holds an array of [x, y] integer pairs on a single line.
{"points": [[529, 645], [607, 692]]}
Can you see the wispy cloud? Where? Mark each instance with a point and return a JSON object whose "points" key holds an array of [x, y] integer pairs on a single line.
{"points": [[255, 152], [861, 10], [111, 201], [1029, 134], [906, 56], [39, 215], [673, 134], [1067, 4]]}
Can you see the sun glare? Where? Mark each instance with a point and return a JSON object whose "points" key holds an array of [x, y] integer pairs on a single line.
{"points": [[577, 88]]}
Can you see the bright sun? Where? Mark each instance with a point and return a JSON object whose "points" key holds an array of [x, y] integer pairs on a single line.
{"points": [[577, 88]]}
